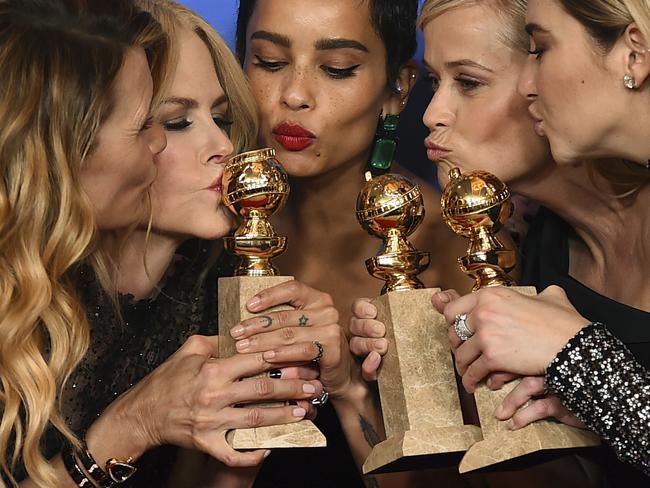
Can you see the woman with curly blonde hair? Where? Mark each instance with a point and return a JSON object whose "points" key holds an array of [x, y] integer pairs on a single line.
{"points": [[63, 68]]}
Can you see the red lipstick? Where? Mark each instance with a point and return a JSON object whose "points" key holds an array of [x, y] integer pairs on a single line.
{"points": [[435, 152], [293, 137]]}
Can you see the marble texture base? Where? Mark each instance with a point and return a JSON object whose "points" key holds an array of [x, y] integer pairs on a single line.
{"points": [[234, 292], [501, 444], [417, 384], [421, 449]]}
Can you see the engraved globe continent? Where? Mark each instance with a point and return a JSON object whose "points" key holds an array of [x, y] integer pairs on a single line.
{"points": [[255, 182], [475, 200], [388, 203]]}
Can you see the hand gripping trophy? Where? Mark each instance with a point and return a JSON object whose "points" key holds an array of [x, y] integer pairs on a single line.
{"points": [[417, 385], [254, 188], [476, 205]]}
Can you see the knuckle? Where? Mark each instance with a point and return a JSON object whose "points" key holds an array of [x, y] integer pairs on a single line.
{"points": [[283, 317], [254, 417], [355, 346], [288, 335], [331, 315], [229, 459], [264, 387], [294, 287]]}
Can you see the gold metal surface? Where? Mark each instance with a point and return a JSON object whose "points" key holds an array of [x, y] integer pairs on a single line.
{"points": [[391, 207], [255, 186], [476, 205]]}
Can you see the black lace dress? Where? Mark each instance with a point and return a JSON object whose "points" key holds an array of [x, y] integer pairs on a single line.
{"points": [[546, 262], [122, 352]]}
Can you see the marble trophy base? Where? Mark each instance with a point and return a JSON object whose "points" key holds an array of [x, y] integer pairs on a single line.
{"points": [[417, 387], [501, 444], [234, 292]]}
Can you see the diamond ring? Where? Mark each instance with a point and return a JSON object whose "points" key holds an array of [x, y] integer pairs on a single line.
{"points": [[460, 326]]}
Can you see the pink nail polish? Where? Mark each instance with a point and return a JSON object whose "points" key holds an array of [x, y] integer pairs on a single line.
{"points": [[237, 331], [307, 388], [241, 345], [268, 355], [253, 303], [299, 412]]}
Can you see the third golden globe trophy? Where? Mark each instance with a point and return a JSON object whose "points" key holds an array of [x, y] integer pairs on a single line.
{"points": [[476, 205]]}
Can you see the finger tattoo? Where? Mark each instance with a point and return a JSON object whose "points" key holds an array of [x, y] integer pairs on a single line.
{"points": [[302, 321]]}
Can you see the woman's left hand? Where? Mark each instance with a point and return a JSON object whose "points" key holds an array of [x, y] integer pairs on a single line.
{"points": [[511, 332], [285, 334], [549, 406]]}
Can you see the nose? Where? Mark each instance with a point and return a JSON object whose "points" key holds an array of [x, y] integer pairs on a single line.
{"points": [[526, 84], [157, 140], [440, 112], [218, 146], [297, 91]]}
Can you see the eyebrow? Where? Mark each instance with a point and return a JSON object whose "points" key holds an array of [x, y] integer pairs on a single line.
{"points": [[467, 62], [191, 103], [273, 37], [330, 44], [533, 27]]}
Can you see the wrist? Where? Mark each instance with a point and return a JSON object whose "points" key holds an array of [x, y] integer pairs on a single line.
{"points": [[118, 433]]}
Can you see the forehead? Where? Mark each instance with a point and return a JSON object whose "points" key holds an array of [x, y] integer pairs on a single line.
{"points": [[195, 65], [304, 21], [133, 86], [465, 33]]}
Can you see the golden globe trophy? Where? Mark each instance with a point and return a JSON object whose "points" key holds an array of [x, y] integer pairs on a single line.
{"points": [[417, 386], [476, 205], [255, 186]]}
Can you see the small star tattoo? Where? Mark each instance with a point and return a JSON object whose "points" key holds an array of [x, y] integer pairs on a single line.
{"points": [[302, 321]]}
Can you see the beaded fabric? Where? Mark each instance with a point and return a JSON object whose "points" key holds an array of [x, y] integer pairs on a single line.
{"points": [[599, 380], [123, 351]]}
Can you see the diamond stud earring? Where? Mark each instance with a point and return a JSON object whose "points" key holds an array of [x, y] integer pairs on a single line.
{"points": [[629, 82]]}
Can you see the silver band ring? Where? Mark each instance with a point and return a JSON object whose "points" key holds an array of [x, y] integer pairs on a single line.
{"points": [[321, 400], [460, 326], [321, 350]]}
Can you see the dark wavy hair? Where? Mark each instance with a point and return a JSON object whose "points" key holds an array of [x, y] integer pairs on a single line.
{"points": [[393, 20]]}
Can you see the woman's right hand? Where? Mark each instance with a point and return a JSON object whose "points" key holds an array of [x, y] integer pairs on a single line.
{"points": [[367, 339], [191, 401]]}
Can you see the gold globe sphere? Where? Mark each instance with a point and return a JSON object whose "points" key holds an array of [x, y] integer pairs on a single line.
{"points": [[475, 200], [256, 182], [390, 203]]}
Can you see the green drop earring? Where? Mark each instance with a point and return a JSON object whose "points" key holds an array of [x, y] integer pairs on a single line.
{"points": [[383, 151]]}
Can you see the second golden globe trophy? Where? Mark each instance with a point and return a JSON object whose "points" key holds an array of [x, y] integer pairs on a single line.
{"points": [[476, 205], [255, 186], [417, 385]]}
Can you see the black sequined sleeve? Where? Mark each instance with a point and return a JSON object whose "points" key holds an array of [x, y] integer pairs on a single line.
{"points": [[598, 379]]}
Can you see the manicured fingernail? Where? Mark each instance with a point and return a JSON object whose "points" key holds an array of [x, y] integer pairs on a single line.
{"points": [[489, 382], [253, 303], [267, 453], [380, 343], [511, 425], [443, 297], [242, 345], [299, 412], [276, 374], [378, 330], [237, 331], [268, 355], [369, 311], [307, 388]]}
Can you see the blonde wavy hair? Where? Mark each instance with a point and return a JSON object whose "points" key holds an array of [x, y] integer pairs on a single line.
{"points": [[242, 107], [58, 63], [511, 12]]}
